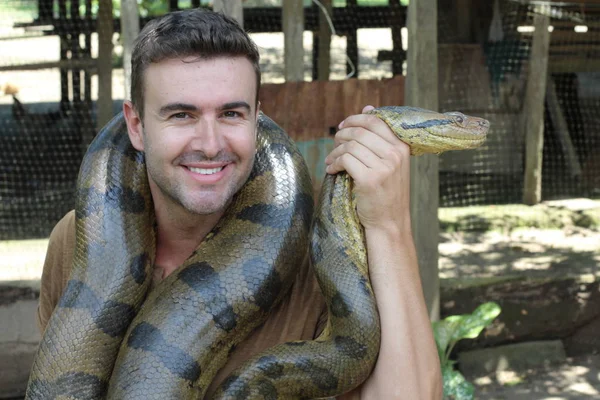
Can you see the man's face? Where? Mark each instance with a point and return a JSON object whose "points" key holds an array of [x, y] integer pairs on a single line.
{"points": [[199, 131]]}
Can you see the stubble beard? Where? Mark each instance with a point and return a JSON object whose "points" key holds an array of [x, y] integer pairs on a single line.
{"points": [[201, 202]]}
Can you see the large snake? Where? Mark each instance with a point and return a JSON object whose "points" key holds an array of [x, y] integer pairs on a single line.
{"points": [[109, 338]]}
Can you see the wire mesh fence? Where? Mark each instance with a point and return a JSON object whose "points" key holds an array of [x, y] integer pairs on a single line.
{"points": [[491, 78], [49, 91]]}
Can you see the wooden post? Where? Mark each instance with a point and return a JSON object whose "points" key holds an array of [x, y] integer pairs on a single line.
{"points": [[324, 54], [45, 10], [64, 51], [233, 8], [464, 11], [293, 30], [87, 90], [561, 130], [398, 54], [105, 49], [421, 90], [75, 54], [352, 41], [130, 28], [533, 110]]}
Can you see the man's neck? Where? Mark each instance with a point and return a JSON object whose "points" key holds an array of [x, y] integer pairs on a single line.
{"points": [[178, 234]]}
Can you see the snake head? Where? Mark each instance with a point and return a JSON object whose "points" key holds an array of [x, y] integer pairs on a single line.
{"points": [[427, 131]]}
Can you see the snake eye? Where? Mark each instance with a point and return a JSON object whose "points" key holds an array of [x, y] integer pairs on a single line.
{"points": [[460, 119]]}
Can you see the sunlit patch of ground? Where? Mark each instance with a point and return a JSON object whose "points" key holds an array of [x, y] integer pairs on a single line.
{"points": [[578, 379], [22, 259], [529, 252]]}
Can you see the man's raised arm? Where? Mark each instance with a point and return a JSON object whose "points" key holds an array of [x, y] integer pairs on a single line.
{"points": [[408, 364]]}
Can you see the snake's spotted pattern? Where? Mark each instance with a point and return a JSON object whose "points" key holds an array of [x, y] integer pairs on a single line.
{"points": [[108, 338]]}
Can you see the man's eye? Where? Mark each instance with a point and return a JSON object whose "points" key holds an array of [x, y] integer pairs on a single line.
{"points": [[231, 114], [180, 115]]}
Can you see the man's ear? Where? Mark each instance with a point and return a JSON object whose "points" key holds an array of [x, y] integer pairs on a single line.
{"points": [[135, 129]]}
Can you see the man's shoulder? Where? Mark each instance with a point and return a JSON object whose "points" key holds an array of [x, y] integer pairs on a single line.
{"points": [[63, 233], [57, 267], [65, 225]]}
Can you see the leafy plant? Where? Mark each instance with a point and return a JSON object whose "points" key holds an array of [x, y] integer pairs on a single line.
{"points": [[447, 333]]}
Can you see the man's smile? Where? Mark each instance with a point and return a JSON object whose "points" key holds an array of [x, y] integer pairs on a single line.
{"points": [[208, 174], [206, 171]]}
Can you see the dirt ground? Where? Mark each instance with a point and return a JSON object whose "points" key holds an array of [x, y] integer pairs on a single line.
{"points": [[577, 379], [565, 250], [526, 251]]}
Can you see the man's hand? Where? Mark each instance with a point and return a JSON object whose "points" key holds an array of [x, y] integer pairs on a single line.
{"points": [[379, 164], [408, 365]]}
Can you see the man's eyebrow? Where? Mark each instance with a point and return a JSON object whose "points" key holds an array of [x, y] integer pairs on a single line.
{"points": [[176, 107], [235, 104]]}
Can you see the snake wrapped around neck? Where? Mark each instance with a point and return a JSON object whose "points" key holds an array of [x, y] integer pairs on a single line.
{"points": [[111, 337]]}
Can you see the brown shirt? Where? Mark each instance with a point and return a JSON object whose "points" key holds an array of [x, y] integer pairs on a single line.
{"points": [[300, 317]]}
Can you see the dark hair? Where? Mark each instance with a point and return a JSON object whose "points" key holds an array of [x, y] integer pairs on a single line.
{"points": [[193, 32]]}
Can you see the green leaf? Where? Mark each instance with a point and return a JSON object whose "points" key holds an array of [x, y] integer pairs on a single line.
{"points": [[472, 325], [456, 387], [443, 332]]}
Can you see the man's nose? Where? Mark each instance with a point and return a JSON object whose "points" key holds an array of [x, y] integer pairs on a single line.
{"points": [[208, 138]]}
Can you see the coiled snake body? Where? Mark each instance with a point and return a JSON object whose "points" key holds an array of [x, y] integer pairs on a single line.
{"points": [[109, 338]]}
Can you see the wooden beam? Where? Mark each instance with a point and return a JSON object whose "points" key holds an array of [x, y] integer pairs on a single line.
{"points": [[576, 49], [310, 111], [233, 8], [83, 63], [533, 110], [581, 2], [569, 25], [561, 130], [561, 64], [422, 91], [105, 50], [130, 28], [293, 48], [569, 36]]}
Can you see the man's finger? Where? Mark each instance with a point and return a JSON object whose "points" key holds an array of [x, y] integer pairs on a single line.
{"points": [[369, 122], [347, 162], [366, 109], [371, 140], [362, 153]]}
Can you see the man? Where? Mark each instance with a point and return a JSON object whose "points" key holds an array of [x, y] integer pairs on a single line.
{"points": [[194, 109]]}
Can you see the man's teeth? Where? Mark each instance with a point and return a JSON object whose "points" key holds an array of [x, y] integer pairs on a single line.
{"points": [[205, 171]]}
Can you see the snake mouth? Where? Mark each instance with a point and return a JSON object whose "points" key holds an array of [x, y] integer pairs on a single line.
{"points": [[463, 136], [473, 131]]}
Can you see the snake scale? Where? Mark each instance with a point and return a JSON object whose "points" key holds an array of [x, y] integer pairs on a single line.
{"points": [[109, 338]]}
